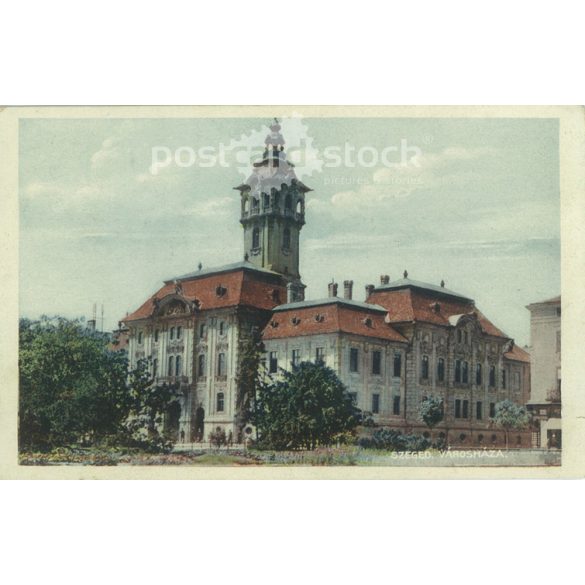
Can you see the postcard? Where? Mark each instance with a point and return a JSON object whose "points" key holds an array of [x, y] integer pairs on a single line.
{"points": [[292, 292]]}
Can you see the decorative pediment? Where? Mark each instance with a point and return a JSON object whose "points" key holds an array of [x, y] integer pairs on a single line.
{"points": [[172, 305]]}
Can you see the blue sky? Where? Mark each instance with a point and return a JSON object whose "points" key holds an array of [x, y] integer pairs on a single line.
{"points": [[479, 209]]}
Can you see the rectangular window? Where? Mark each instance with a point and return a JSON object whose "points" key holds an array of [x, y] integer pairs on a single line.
{"points": [[202, 330], [441, 370], [273, 365], [140, 338], [397, 364], [396, 405], [179, 332], [504, 379], [492, 376], [478, 374], [425, 367], [221, 369], [156, 332], [457, 370], [201, 364], [172, 333], [220, 402], [353, 359], [296, 357], [320, 355], [492, 409], [465, 412], [376, 362], [178, 366], [465, 373], [457, 408], [154, 367], [375, 403], [478, 410]]}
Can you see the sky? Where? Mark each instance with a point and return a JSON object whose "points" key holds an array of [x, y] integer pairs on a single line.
{"points": [[473, 202]]}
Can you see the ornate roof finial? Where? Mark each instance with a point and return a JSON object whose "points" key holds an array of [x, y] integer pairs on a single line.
{"points": [[275, 138], [442, 284], [405, 274], [246, 257], [199, 266]]}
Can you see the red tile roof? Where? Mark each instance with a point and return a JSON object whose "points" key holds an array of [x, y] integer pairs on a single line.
{"points": [[518, 354], [330, 318], [243, 287], [415, 304]]}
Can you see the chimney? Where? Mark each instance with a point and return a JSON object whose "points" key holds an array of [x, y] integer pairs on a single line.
{"points": [[384, 279], [347, 289], [332, 289], [369, 290], [290, 293]]}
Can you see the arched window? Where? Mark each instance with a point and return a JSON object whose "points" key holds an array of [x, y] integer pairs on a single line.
{"points": [[220, 402], [299, 206], [256, 238], [171, 364], [288, 202], [178, 365], [255, 204], [247, 206], [286, 239]]}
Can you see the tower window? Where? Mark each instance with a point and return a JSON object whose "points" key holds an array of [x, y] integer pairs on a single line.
{"points": [[266, 201], [376, 362], [441, 370], [221, 369], [256, 238], [178, 365], [255, 205], [286, 239], [288, 202]]}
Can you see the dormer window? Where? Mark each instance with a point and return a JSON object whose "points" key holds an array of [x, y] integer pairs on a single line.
{"points": [[295, 320], [319, 318], [274, 324], [368, 322], [220, 290]]}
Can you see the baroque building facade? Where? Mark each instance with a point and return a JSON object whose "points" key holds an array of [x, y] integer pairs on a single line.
{"points": [[406, 340]]}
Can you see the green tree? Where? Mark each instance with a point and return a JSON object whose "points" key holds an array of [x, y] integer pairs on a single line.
{"points": [[510, 416], [432, 411], [305, 408], [247, 378], [72, 388]]}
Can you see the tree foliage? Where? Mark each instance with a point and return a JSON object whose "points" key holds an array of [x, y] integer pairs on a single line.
{"points": [[510, 416], [432, 411], [74, 390], [307, 407]]}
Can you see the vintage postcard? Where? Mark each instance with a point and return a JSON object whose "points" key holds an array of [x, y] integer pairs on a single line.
{"points": [[292, 292]]}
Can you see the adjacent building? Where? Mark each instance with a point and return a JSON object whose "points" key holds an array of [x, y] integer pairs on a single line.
{"points": [[545, 398]]}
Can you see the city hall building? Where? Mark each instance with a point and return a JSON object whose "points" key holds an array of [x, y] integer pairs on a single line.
{"points": [[402, 341]]}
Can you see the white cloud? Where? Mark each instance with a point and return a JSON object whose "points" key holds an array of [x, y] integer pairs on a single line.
{"points": [[109, 151]]}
